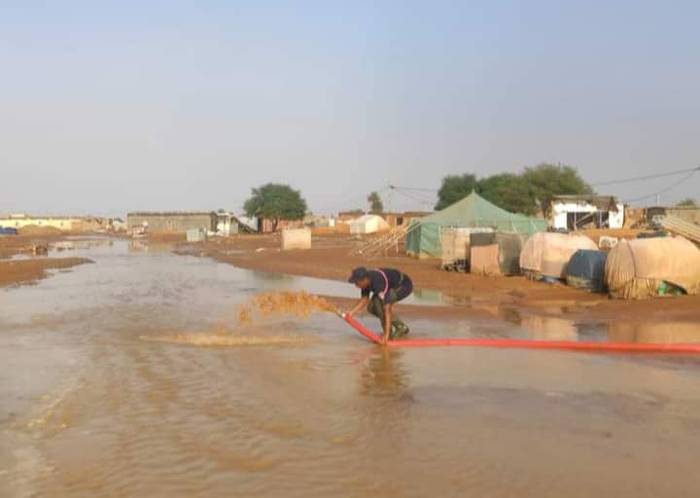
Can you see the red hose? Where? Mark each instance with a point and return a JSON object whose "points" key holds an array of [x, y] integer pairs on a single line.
{"points": [[610, 347]]}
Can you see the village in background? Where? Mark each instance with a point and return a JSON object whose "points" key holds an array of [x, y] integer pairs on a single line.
{"points": [[567, 213], [546, 224]]}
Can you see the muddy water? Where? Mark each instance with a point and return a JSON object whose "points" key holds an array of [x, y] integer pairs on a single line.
{"points": [[130, 377]]}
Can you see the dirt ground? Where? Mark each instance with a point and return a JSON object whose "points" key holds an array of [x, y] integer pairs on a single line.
{"points": [[30, 270], [331, 257], [20, 271]]}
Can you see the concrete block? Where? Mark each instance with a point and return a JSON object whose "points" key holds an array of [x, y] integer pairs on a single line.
{"points": [[296, 238]]}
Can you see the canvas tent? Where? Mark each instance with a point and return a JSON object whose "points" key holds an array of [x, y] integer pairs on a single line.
{"points": [[546, 254], [369, 223], [473, 211], [642, 268]]}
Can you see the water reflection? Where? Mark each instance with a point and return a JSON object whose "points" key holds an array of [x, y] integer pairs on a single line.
{"points": [[384, 374], [550, 328], [142, 245], [566, 329], [669, 332]]}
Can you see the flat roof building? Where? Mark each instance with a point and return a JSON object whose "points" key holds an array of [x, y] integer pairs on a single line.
{"points": [[172, 221], [573, 212]]}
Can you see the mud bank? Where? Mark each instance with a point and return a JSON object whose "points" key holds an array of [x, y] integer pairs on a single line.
{"points": [[23, 271], [331, 258]]}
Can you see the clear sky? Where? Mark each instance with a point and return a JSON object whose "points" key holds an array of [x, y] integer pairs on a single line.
{"points": [[109, 107]]}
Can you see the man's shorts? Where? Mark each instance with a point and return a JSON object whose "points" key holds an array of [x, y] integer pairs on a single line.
{"points": [[401, 292]]}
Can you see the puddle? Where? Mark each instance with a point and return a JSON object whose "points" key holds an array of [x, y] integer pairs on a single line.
{"points": [[144, 385], [566, 329]]}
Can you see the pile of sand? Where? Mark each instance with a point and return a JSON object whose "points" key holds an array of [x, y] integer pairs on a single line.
{"points": [[35, 230]]}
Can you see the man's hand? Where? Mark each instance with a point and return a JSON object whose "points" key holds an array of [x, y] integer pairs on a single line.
{"points": [[362, 303]]}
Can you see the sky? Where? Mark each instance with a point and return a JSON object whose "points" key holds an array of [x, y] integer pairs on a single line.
{"points": [[109, 107]]}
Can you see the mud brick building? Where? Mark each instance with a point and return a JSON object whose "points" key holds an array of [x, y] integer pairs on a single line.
{"points": [[172, 221]]}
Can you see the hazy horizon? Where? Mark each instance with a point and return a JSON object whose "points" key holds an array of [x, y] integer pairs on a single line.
{"points": [[131, 106]]}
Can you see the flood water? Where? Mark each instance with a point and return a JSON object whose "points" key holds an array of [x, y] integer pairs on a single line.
{"points": [[130, 377]]}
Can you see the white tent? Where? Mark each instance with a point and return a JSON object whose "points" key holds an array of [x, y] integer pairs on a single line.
{"points": [[369, 223], [546, 254]]}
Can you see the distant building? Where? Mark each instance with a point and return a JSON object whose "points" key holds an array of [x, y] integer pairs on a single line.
{"points": [[172, 221], [64, 223], [347, 216], [267, 225], [686, 213], [248, 223], [226, 224], [574, 212], [319, 221], [400, 219], [117, 225]]}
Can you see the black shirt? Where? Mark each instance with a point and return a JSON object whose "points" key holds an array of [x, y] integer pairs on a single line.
{"points": [[378, 284]]}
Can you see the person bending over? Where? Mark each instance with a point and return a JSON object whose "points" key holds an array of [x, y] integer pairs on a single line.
{"points": [[381, 289]]}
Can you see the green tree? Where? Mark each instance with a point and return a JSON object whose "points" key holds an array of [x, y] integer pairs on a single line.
{"points": [[547, 180], [688, 202], [375, 203], [455, 188], [508, 191], [275, 202]]}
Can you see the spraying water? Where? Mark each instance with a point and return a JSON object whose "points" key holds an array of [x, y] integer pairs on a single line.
{"points": [[254, 327], [299, 304]]}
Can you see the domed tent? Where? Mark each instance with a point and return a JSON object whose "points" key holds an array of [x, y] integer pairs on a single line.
{"points": [[423, 239], [546, 254], [586, 270], [642, 268], [368, 223]]}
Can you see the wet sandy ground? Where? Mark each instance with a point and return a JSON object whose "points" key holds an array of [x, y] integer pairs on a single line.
{"points": [[131, 377], [332, 257]]}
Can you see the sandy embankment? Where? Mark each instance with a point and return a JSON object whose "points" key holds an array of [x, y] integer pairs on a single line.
{"points": [[331, 258], [20, 271]]}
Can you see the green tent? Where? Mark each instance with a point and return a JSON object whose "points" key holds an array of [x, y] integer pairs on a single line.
{"points": [[473, 211]]}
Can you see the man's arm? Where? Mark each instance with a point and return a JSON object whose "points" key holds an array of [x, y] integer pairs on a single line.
{"points": [[362, 303], [387, 322]]}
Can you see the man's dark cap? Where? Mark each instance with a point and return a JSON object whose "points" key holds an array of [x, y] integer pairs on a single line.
{"points": [[358, 274]]}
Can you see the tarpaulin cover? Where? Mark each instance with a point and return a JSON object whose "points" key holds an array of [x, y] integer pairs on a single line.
{"points": [[546, 254], [455, 246], [586, 270], [482, 239], [484, 260], [509, 247], [423, 238], [635, 269]]}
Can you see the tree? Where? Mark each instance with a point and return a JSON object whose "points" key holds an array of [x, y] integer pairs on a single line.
{"points": [[375, 203], [688, 202], [508, 191], [548, 180], [275, 202], [455, 188]]}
